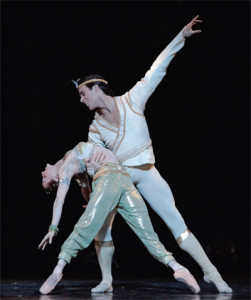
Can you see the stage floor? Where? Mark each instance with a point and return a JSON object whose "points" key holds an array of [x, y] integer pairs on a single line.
{"points": [[123, 289]]}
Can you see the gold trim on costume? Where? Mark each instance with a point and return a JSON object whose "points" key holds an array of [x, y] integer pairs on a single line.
{"points": [[133, 152], [113, 145], [124, 126], [183, 236], [106, 126], [92, 80], [95, 127], [97, 116], [109, 171], [93, 131]]}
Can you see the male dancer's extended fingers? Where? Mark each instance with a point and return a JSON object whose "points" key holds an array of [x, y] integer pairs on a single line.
{"points": [[195, 18], [196, 31], [97, 156], [91, 160], [101, 158], [195, 21]]}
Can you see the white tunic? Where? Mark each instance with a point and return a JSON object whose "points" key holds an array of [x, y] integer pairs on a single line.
{"points": [[130, 141]]}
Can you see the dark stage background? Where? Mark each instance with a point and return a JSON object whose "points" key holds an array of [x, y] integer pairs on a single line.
{"points": [[198, 119]]}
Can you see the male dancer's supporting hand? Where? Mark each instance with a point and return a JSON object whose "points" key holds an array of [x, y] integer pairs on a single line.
{"points": [[94, 163]]}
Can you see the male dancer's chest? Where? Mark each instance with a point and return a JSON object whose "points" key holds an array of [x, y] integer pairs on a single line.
{"points": [[126, 132]]}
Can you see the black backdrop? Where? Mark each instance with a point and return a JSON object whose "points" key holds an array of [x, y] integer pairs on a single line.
{"points": [[198, 119]]}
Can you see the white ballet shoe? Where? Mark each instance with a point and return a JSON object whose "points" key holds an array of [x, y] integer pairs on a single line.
{"points": [[103, 287], [183, 275], [50, 283], [217, 280]]}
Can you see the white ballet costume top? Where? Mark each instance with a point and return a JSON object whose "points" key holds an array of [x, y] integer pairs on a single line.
{"points": [[130, 141]]}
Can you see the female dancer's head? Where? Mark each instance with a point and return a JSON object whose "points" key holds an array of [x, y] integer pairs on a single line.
{"points": [[50, 178]]}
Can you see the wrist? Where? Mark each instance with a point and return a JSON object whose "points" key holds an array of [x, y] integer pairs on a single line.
{"points": [[54, 229]]}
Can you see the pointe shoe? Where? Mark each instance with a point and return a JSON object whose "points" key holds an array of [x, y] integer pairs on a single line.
{"points": [[217, 280], [50, 283], [183, 275], [103, 287]]}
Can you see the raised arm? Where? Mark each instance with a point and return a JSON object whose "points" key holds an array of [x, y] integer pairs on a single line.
{"points": [[141, 92]]}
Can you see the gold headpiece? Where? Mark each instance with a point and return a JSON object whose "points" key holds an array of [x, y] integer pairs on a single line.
{"points": [[92, 80]]}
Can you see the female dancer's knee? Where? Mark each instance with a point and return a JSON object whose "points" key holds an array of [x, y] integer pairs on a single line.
{"points": [[105, 234]]}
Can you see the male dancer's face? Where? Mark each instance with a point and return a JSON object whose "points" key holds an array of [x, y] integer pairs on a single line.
{"points": [[89, 96]]}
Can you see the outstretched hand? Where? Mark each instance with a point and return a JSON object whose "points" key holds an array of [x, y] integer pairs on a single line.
{"points": [[188, 29], [48, 238]]}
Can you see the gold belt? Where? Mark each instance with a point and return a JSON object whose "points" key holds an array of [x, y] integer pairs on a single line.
{"points": [[111, 168]]}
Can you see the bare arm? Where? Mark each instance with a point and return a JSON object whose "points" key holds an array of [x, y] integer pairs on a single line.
{"points": [[65, 175], [58, 204]]}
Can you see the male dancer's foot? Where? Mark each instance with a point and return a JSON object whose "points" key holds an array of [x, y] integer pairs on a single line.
{"points": [[189, 243], [183, 275], [218, 281], [103, 287]]}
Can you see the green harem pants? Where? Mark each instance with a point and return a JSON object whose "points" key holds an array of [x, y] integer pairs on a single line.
{"points": [[113, 188]]}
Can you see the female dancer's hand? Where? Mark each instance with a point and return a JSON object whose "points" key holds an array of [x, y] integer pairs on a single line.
{"points": [[188, 30], [46, 239]]}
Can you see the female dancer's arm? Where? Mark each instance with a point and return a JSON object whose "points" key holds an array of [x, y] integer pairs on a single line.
{"points": [[65, 176]]}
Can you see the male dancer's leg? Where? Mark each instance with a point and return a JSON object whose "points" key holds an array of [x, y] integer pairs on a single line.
{"points": [[133, 209], [106, 230], [158, 194]]}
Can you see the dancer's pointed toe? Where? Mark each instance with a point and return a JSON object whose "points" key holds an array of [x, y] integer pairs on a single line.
{"points": [[183, 275], [50, 283], [218, 281]]}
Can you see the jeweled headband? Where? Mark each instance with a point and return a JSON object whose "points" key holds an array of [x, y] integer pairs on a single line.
{"points": [[88, 81]]}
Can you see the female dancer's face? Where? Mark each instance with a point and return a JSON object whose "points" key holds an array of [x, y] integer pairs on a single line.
{"points": [[48, 176]]}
